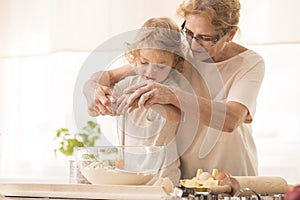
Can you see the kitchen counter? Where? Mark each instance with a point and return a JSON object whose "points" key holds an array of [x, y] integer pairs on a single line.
{"points": [[39, 191], [264, 186]]}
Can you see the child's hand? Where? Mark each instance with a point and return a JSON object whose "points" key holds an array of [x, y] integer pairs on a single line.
{"points": [[122, 105], [134, 105]]}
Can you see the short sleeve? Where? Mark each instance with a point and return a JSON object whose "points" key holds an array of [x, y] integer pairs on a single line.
{"points": [[247, 83]]}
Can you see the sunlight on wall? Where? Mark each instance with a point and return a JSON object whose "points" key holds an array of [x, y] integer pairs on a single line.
{"points": [[37, 96], [276, 124]]}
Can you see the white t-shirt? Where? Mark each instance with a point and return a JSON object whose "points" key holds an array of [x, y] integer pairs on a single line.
{"points": [[236, 79]]}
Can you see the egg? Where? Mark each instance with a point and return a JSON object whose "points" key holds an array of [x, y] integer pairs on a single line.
{"points": [[221, 176], [204, 176]]}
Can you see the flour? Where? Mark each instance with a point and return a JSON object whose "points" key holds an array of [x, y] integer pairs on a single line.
{"points": [[97, 173]]}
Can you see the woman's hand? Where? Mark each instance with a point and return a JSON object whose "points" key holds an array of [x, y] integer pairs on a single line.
{"points": [[97, 93], [147, 93], [168, 111], [99, 99]]}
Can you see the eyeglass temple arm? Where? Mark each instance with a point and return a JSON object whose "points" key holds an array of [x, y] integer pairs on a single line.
{"points": [[183, 24]]}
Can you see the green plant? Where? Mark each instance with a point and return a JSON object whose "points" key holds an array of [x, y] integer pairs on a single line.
{"points": [[88, 135]]}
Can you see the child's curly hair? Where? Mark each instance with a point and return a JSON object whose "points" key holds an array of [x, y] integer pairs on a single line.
{"points": [[161, 34]]}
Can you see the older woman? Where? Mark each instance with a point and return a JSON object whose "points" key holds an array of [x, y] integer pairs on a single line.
{"points": [[226, 78]]}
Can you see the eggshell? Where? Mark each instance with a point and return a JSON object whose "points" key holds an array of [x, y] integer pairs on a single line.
{"points": [[214, 172], [204, 176]]}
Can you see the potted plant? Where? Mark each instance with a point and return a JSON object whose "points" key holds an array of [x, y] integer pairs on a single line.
{"points": [[66, 142]]}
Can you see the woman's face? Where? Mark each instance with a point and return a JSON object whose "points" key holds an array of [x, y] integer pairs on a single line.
{"points": [[198, 26], [154, 64]]}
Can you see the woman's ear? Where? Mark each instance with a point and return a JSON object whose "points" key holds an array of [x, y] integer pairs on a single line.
{"points": [[231, 34]]}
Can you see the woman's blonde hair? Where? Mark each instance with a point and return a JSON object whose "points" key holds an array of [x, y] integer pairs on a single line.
{"points": [[159, 34], [223, 14]]}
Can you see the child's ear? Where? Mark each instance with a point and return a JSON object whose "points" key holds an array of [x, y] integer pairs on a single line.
{"points": [[176, 59]]}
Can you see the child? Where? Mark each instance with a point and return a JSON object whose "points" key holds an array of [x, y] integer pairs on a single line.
{"points": [[155, 56]]}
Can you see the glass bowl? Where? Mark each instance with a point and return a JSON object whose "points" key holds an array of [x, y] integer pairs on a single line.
{"points": [[120, 165]]}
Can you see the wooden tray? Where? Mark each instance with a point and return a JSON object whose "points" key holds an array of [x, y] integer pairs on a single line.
{"points": [[84, 191]]}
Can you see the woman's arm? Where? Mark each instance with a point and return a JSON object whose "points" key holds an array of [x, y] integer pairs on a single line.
{"points": [[225, 116], [219, 115], [109, 78], [170, 112]]}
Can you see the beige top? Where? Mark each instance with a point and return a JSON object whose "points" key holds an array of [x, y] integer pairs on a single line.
{"points": [[236, 79], [147, 127]]}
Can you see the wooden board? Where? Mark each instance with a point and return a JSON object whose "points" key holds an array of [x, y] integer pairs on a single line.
{"points": [[84, 191]]}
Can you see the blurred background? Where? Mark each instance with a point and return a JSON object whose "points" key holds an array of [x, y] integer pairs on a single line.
{"points": [[44, 43]]}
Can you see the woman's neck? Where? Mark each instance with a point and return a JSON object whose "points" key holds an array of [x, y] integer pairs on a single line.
{"points": [[230, 50]]}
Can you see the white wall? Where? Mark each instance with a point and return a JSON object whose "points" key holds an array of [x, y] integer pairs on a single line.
{"points": [[276, 125]]}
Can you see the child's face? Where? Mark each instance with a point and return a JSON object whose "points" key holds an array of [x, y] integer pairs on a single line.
{"points": [[154, 64]]}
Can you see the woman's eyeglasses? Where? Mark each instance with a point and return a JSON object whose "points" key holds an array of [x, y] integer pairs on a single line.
{"points": [[206, 40]]}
